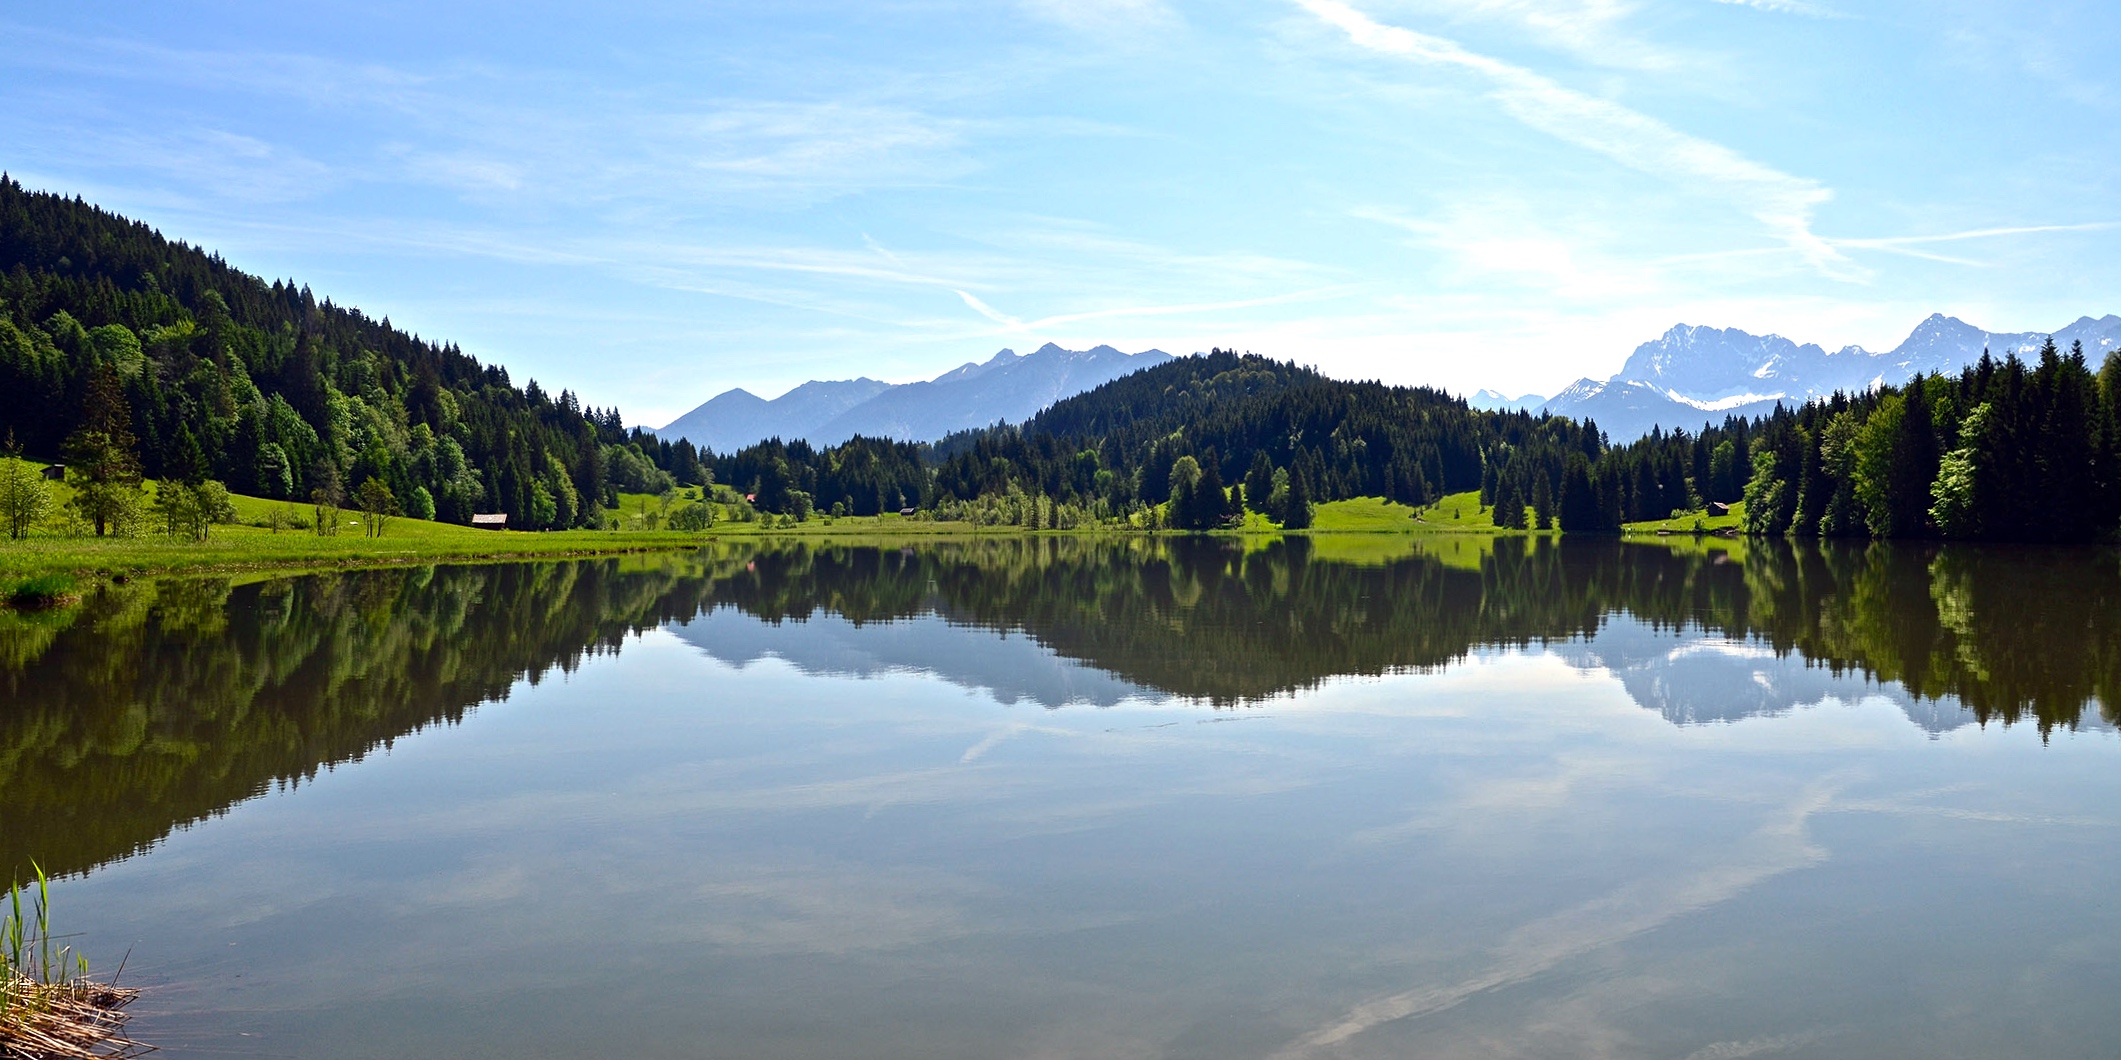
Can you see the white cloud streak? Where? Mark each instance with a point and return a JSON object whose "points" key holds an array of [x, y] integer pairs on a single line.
{"points": [[1106, 18], [1782, 203], [1787, 7]]}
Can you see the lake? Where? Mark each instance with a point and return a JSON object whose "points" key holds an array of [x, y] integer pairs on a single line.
{"points": [[1084, 797]]}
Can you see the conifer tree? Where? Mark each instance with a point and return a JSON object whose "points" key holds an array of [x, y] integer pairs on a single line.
{"points": [[1210, 501], [1296, 511], [1509, 506], [2068, 445], [101, 463], [1579, 504], [1259, 482]]}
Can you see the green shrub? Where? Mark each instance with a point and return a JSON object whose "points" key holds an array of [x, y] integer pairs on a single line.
{"points": [[40, 590]]}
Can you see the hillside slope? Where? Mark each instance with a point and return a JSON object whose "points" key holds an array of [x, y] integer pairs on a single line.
{"points": [[267, 387]]}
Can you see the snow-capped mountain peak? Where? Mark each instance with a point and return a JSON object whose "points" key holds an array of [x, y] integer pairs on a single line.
{"points": [[1692, 374]]}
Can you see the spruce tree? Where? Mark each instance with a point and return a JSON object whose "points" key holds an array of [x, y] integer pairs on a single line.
{"points": [[1579, 505], [1607, 488], [1210, 500], [187, 464], [1914, 464], [100, 460], [1509, 504], [1259, 482], [1296, 512], [2067, 448], [2108, 424]]}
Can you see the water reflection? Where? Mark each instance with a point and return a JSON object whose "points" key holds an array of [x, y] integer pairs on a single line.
{"points": [[156, 704], [1698, 634]]}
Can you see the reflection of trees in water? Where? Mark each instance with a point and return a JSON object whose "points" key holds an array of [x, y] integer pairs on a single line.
{"points": [[2014, 634], [161, 703], [2018, 634], [157, 704]]}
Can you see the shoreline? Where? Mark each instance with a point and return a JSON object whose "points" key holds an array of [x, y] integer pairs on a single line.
{"points": [[243, 548], [92, 560]]}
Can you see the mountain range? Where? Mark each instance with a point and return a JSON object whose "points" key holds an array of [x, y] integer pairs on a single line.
{"points": [[1692, 375], [1007, 387]]}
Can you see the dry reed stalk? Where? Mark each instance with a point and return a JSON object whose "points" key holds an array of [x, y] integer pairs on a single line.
{"points": [[75, 1020]]}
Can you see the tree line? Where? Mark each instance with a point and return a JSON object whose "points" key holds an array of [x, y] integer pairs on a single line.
{"points": [[2004, 451]]}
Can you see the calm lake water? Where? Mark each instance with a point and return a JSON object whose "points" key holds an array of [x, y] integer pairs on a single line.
{"points": [[1373, 797]]}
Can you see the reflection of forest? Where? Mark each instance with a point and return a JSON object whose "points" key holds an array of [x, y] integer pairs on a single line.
{"points": [[154, 705], [2009, 633]]}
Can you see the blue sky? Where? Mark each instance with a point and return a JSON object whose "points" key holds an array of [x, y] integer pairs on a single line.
{"points": [[652, 205]]}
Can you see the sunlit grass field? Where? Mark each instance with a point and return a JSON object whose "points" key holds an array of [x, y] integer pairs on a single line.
{"points": [[276, 534], [1685, 524], [1455, 512], [1458, 511]]}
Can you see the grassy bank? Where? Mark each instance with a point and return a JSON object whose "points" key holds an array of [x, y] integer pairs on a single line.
{"points": [[53, 563]]}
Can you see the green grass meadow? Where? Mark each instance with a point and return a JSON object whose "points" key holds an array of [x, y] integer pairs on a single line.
{"points": [[253, 543]]}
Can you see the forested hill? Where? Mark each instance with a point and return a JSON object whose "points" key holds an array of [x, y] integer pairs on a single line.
{"points": [[191, 369], [1279, 428], [269, 389]]}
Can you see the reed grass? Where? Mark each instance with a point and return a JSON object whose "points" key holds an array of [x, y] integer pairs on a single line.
{"points": [[50, 1008]]}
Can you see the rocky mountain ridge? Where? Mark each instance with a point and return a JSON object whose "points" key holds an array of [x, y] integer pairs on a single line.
{"points": [[1009, 387], [1692, 375]]}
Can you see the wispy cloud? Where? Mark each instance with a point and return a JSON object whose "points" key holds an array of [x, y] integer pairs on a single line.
{"points": [[1591, 30], [1061, 319], [1911, 246], [992, 313], [1109, 19], [1782, 203], [1788, 7]]}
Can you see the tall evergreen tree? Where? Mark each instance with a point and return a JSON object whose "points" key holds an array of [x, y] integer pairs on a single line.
{"points": [[1259, 482], [1579, 503], [1296, 511], [101, 463], [1210, 501], [2068, 445], [1509, 505]]}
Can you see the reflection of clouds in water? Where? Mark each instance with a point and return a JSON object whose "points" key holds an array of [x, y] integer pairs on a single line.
{"points": [[1561, 786], [1780, 1043], [1008, 667], [1601, 1018], [481, 881], [1693, 677], [1002, 735], [805, 904], [1777, 847]]}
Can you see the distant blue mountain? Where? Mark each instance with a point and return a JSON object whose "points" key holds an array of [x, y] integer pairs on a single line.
{"points": [[1009, 387]]}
